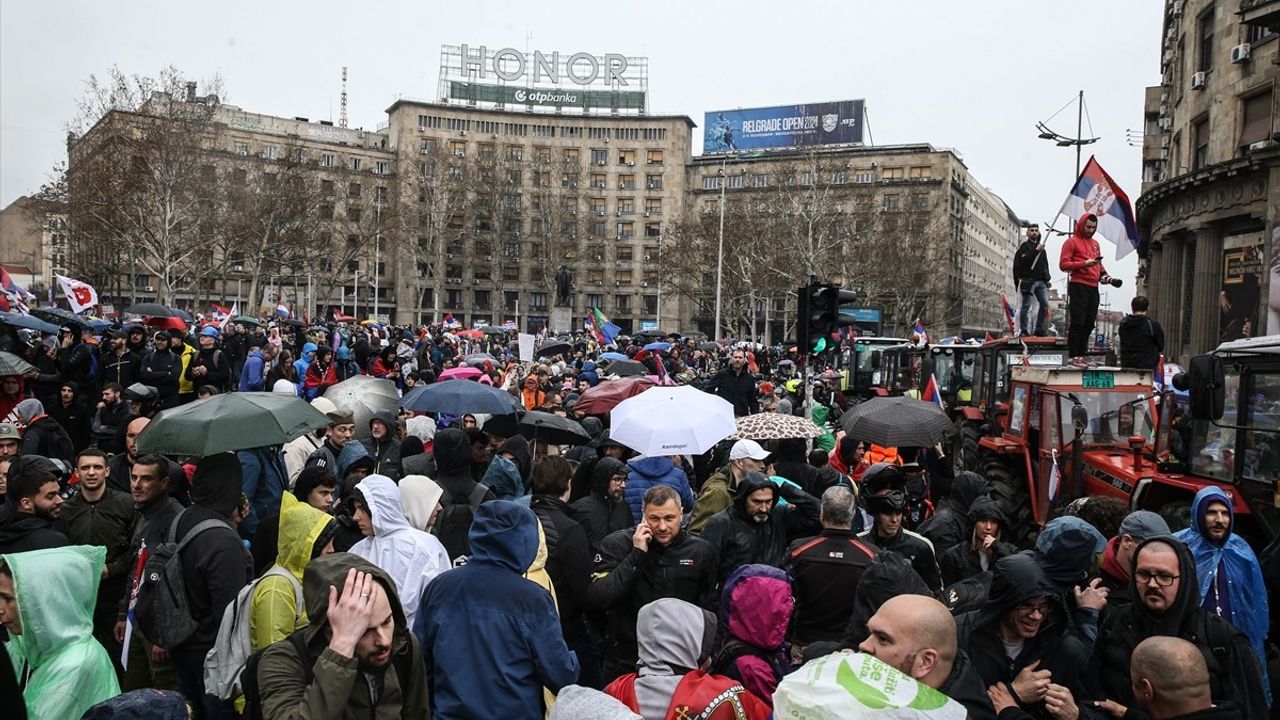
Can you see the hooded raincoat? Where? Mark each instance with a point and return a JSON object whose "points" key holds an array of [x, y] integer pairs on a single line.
{"points": [[273, 612], [755, 612], [489, 604], [410, 556], [739, 539], [1229, 575], [674, 636], [64, 669], [951, 526], [649, 471]]}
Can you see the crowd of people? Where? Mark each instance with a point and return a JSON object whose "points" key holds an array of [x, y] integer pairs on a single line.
{"points": [[446, 566]]}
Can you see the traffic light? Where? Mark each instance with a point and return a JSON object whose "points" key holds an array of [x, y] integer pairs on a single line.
{"points": [[819, 315]]}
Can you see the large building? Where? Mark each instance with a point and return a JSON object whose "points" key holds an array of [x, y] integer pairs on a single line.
{"points": [[506, 204], [33, 242], [1209, 214]]}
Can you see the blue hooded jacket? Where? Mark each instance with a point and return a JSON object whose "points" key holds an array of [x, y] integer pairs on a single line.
{"points": [[1247, 594], [649, 471], [253, 376], [264, 480], [308, 354], [488, 604]]}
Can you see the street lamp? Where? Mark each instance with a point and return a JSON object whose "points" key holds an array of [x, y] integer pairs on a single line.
{"points": [[1079, 141], [720, 247]]}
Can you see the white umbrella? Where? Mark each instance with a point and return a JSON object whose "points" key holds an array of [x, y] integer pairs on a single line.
{"points": [[666, 420], [362, 396]]}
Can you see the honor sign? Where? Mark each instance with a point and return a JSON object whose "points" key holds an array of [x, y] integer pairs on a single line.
{"points": [[612, 81]]}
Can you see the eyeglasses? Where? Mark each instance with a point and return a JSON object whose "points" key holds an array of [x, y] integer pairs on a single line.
{"points": [[1033, 608], [1162, 579]]}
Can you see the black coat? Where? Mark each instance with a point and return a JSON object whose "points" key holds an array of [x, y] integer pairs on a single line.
{"points": [[568, 563], [1141, 342], [119, 369], [961, 561], [739, 389], [825, 572], [965, 687], [150, 524], [739, 540], [217, 369], [161, 369], [20, 532], [76, 420], [1030, 263], [109, 523], [951, 525], [598, 514], [215, 566], [46, 437], [914, 548]]}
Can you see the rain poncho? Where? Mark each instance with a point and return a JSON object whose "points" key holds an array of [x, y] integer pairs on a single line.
{"points": [[411, 557], [66, 670], [1246, 593], [273, 614]]}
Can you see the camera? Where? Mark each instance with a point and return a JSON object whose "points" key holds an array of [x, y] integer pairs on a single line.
{"points": [[1112, 281]]}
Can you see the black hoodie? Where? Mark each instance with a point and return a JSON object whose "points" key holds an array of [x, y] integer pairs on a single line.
{"points": [[1233, 668], [385, 452], [951, 526], [1141, 342], [1018, 579], [452, 451], [74, 419], [598, 514], [739, 539]]}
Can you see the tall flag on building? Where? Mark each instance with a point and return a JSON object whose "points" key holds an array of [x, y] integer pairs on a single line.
{"points": [[1095, 192], [931, 393], [13, 297], [599, 326], [919, 335], [1055, 478], [1008, 314], [80, 295]]}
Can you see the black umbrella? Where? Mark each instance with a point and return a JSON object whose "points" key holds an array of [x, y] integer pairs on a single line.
{"points": [[553, 429], [505, 425], [494, 330], [183, 315], [151, 310], [625, 368], [457, 397], [11, 364], [60, 317], [695, 334], [553, 347], [650, 333], [897, 422]]}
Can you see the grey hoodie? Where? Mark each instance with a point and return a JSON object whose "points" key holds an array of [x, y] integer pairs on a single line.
{"points": [[672, 637]]}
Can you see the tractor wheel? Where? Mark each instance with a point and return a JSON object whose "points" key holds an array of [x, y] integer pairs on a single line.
{"points": [[965, 456], [1176, 514], [1009, 488]]}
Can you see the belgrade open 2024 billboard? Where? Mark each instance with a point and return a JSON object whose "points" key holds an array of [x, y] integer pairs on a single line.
{"points": [[825, 123]]}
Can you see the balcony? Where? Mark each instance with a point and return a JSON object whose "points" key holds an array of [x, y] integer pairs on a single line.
{"points": [[1261, 12]]}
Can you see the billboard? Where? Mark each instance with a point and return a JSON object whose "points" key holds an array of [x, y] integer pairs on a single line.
{"points": [[540, 80], [1240, 298], [510, 95], [825, 123]]}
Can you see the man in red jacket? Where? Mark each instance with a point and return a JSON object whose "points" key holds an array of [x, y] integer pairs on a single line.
{"points": [[1082, 258]]}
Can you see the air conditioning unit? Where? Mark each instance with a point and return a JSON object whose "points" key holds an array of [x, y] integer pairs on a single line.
{"points": [[644, 284], [600, 213], [1260, 145], [449, 256], [601, 163], [460, 153], [488, 257], [647, 258], [1164, 141], [149, 288], [646, 213], [618, 213], [598, 257], [1197, 80], [1165, 123], [573, 183], [599, 282], [1240, 53], [631, 162]]}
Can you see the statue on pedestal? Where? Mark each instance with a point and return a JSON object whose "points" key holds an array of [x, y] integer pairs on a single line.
{"points": [[564, 287]]}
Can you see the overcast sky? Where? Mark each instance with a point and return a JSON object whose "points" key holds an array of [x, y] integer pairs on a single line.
{"points": [[974, 76]]}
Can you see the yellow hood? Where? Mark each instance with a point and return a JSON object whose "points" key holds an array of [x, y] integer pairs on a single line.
{"points": [[300, 526]]}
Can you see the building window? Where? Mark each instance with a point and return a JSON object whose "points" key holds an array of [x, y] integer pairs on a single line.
{"points": [[597, 206], [626, 157], [626, 182], [542, 155], [326, 188], [353, 190], [626, 230], [893, 173], [485, 151], [892, 201], [711, 182], [427, 146], [353, 214], [597, 228], [653, 157], [428, 121], [515, 153], [921, 173], [595, 299], [653, 229], [242, 148], [538, 300], [326, 211], [599, 180], [653, 182], [1258, 33], [760, 180], [623, 302], [626, 206], [326, 160], [650, 304], [1204, 33], [458, 148], [653, 205], [1200, 143], [864, 176], [355, 164], [453, 298], [482, 299], [736, 181], [572, 155], [1256, 124], [625, 254], [380, 167], [599, 156]]}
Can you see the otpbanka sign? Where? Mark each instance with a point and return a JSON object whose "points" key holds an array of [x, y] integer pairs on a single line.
{"points": [[611, 81]]}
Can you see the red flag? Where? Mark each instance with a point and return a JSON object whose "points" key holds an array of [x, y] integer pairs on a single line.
{"points": [[989, 338]]}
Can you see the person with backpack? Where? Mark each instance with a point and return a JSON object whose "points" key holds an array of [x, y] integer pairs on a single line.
{"points": [[356, 657], [462, 494], [209, 366], [41, 434], [192, 576]]}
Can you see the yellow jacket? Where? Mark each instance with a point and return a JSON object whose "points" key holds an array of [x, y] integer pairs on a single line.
{"points": [[273, 614], [185, 385]]}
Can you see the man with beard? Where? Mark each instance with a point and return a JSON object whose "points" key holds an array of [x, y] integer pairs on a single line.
{"points": [[1117, 559], [162, 368], [30, 519], [737, 385], [917, 636], [1166, 601], [110, 412], [603, 511], [338, 664], [119, 363], [758, 529]]}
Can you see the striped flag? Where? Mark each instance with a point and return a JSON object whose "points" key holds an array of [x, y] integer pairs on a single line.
{"points": [[1159, 375], [1008, 314], [920, 336], [931, 393]]}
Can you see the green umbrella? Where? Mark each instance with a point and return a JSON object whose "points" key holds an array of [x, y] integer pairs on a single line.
{"points": [[246, 320], [11, 364], [229, 422]]}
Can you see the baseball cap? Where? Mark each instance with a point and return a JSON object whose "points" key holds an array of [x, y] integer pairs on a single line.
{"points": [[1143, 524], [747, 449], [9, 431]]}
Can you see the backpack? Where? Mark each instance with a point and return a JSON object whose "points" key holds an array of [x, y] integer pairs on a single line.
{"points": [[454, 523], [401, 661], [163, 610], [94, 367], [231, 649]]}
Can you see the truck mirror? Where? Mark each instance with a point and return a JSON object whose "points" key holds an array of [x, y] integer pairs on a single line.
{"points": [[1079, 417], [1206, 384]]}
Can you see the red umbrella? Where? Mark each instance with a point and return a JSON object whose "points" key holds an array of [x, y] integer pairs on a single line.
{"points": [[471, 334], [167, 323], [601, 399]]}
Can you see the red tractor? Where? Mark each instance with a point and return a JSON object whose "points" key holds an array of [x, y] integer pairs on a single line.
{"points": [[1069, 433]]}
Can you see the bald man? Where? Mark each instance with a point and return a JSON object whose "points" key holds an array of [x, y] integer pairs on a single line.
{"points": [[917, 635], [1171, 682]]}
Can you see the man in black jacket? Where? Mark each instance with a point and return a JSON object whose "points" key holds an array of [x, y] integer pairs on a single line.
{"points": [[383, 445], [917, 636], [603, 511], [161, 369], [215, 566], [884, 486], [111, 410], [568, 561], [1166, 601], [826, 570], [42, 434], [757, 528], [635, 566], [209, 366], [1031, 273], [1141, 338], [119, 363], [74, 356], [737, 385], [100, 515], [29, 519], [951, 525]]}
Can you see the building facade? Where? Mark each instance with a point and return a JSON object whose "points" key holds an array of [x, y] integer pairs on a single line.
{"points": [[1209, 213], [33, 240]]}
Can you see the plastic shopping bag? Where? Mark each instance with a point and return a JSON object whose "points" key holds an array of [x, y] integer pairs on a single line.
{"points": [[854, 686]]}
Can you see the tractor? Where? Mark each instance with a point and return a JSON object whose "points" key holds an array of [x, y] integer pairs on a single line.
{"points": [[1070, 433], [860, 365]]}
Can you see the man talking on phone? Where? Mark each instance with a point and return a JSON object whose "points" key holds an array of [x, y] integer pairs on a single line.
{"points": [[1082, 258], [1031, 273]]}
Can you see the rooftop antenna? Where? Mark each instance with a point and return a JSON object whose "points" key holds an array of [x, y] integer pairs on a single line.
{"points": [[342, 108]]}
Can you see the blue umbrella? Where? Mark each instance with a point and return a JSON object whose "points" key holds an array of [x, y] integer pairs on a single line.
{"points": [[28, 322], [99, 325], [613, 356], [659, 346], [184, 315], [458, 397]]}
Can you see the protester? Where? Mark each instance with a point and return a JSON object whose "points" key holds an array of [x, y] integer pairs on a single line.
{"points": [[263, 479], [46, 604], [1117, 559], [209, 366], [755, 612], [72, 415], [305, 534], [342, 428], [1141, 338], [162, 369], [827, 569], [253, 374], [41, 434], [736, 385], [884, 493], [646, 472], [110, 412], [951, 526], [718, 491], [382, 443], [487, 602], [462, 494], [1171, 681], [758, 528], [1031, 275], [315, 487], [979, 552], [31, 518], [1082, 258], [338, 664], [604, 510]]}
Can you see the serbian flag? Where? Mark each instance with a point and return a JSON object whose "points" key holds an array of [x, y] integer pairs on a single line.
{"points": [[989, 338], [1159, 375], [1095, 192], [449, 322], [1008, 314], [80, 295], [219, 314], [931, 393], [13, 297], [921, 337]]}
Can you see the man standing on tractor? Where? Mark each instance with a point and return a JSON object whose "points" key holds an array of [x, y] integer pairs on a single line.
{"points": [[1141, 338], [1031, 273], [1082, 258]]}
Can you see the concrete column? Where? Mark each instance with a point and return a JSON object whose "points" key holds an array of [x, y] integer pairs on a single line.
{"points": [[1208, 287]]}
